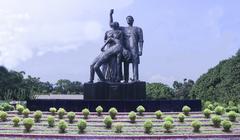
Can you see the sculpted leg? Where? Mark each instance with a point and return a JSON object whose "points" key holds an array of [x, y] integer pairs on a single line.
{"points": [[135, 72], [98, 71], [126, 72]]}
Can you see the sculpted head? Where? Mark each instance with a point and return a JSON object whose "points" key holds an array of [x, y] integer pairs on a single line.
{"points": [[130, 20], [114, 25]]}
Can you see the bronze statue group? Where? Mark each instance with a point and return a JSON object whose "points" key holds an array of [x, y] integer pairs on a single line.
{"points": [[123, 45]]}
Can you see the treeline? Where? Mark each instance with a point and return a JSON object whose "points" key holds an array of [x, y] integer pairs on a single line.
{"points": [[17, 86]]}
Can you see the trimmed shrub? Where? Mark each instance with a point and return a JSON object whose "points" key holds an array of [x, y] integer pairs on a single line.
{"points": [[219, 110], [232, 108], [6, 107], [148, 126], [216, 120], [113, 112], [16, 121], [51, 121], [82, 125], [211, 107], [118, 127], [26, 113], [19, 108], [132, 116], [207, 113], [61, 112], [37, 116], [28, 123], [226, 125], [71, 116], [206, 104], [167, 125], [3, 116], [196, 125], [99, 110], [85, 113], [53, 110], [168, 118], [181, 117], [140, 110], [186, 110], [232, 115], [62, 125], [158, 114], [108, 122]]}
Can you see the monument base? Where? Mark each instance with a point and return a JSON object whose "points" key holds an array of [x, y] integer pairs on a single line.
{"points": [[115, 91]]}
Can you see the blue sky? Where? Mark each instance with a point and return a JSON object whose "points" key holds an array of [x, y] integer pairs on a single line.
{"points": [[54, 39]]}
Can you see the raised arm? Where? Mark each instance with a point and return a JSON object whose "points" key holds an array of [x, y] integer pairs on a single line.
{"points": [[111, 17]]}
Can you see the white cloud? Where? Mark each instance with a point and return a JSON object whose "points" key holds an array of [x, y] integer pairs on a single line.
{"points": [[29, 28]]}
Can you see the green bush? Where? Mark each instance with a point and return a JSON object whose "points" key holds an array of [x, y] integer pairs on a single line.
{"points": [[168, 118], [113, 112], [19, 108], [37, 116], [53, 110], [148, 126], [216, 120], [108, 122], [181, 117], [99, 110], [118, 127], [167, 125], [186, 110], [132, 116], [16, 121], [158, 114], [82, 125], [61, 112], [207, 113], [226, 125], [206, 104], [26, 112], [211, 107], [62, 126], [219, 110], [140, 110], [6, 107], [28, 123], [196, 125], [232, 115], [85, 113], [51, 121], [71, 117], [3, 115], [232, 108]]}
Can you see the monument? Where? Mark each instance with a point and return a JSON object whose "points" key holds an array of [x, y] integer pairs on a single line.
{"points": [[122, 46]]}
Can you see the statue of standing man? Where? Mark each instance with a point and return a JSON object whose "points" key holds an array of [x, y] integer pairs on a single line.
{"points": [[132, 42]]}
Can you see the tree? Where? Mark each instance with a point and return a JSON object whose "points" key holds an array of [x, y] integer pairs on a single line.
{"points": [[158, 91], [182, 90]]}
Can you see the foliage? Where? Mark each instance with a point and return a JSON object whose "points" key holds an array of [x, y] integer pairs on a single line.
{"points": [[157, 91], [7, 107], [71, 116], [113, 112], [148, 126], [168, 125], [168, 118], [37, 115], [3, 115], [16, 121], [53, 110], [207, 112], [51, 121], [140, 109], [196, 125], [19, 108], [232, 115], [85, 113], [82, 125], [61, 112], [26, 112], [226, 125], [118, 127], [158, 114], [219, 110], [64, 86], [182, 90], [108, 122], [221, 83], [181, 117], [216, 120], [132, 116], [186, 110], [62, 126], [28, 123], [99, 110]]}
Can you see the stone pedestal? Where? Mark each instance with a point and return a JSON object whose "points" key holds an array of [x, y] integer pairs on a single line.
{"points": [[115, 91]]}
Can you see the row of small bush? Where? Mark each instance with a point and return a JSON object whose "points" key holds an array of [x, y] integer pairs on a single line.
{"points": [[231, 106]]}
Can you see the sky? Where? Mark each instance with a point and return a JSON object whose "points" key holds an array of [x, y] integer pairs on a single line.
{"points": [[58, 39]]}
